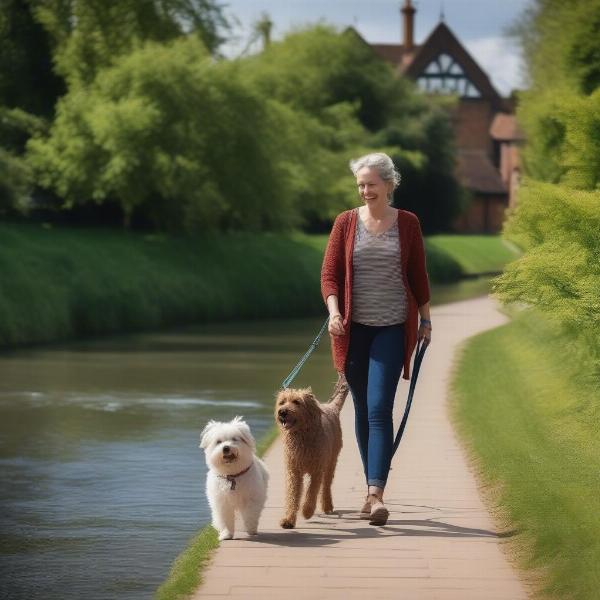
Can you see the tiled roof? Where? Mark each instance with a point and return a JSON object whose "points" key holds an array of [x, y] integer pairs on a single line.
{"points": [[477, 173], [395, 53], [505, 128]]}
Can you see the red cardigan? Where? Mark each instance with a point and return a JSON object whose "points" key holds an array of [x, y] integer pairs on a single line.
{"points": [[336, 278]]}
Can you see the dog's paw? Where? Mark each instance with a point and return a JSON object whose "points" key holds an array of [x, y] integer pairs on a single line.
{"points": [[308, 510], [252, 532], [327, 509], [225, 535], [287, 523]]}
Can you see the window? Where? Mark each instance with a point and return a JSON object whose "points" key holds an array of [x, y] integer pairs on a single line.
{"points": [[444, 75]]}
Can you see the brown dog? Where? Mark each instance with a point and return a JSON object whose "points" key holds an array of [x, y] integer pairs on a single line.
{"points": [[312, 440]]}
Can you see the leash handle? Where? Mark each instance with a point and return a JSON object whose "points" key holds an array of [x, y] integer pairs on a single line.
{"points": [[419, 354]]}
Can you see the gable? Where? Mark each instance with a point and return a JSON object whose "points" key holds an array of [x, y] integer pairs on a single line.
{"points": [[443, 65]]}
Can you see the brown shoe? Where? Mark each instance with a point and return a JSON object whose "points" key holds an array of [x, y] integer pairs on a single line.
{"points": [[365, 511], [379, 513]]}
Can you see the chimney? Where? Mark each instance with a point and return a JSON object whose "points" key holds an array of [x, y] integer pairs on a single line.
{"points": [[408, 12], [263, 29]]}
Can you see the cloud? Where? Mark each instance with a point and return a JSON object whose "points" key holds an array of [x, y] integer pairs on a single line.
{"points": [[500, 59]]}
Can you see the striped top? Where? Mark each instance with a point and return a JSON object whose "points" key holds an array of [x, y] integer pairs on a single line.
{"points": [[378, 293]]}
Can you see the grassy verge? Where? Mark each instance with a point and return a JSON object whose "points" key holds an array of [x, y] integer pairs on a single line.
{"points": [[528, 412], [65, 283], [474, 253], [186, 573], [59, 283]]}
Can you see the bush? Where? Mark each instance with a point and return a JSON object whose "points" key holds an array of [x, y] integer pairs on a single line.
{"points": [[563, 131], [560, 272]]}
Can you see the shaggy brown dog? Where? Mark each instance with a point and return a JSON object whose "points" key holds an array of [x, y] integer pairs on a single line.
{"points": [[312, 440]]}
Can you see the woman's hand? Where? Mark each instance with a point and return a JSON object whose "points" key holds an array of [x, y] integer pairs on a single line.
{"points": [[336, 325], [424, 334]]}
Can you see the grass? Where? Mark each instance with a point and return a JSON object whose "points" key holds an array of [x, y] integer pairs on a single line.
{"points": [[62, 283], [474, 253], [529, 412], [186, 573]]}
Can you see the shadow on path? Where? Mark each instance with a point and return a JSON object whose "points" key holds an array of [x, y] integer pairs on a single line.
{"points": [[323, 536]]}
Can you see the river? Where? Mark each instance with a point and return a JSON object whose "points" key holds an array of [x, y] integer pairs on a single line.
{"points": [[102, 477]]}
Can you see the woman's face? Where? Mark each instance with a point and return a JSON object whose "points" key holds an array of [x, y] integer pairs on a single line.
{"points": [[371, 187]]}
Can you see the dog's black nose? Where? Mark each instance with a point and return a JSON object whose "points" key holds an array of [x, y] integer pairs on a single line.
{"points": [[225, 449], [283, 412]]}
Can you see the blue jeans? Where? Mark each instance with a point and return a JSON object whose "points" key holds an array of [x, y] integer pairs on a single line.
{"points": [[373, 368]]}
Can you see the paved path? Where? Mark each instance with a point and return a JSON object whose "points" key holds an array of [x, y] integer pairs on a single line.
{"points": [[439, 542]]}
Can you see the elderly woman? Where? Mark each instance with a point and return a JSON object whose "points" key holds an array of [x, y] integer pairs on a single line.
{"points": [[374, 282]]}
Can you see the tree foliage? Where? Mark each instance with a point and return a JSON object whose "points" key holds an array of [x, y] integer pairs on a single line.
{"points": [[15, 183], [315, 69], [89, 35], [560, 271], [27, 80], [557, 219], [153, 123], [164, 132]]}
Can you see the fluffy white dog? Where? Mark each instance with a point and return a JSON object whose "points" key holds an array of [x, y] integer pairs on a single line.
{"points": [[237, 479]]}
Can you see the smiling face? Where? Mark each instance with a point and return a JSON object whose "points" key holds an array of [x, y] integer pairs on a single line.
{"points": [[371, 188]]}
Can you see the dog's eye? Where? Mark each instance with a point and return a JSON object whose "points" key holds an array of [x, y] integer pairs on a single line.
{"points": [[234, 439], [218, 441], [296, 401], [281, 402]]}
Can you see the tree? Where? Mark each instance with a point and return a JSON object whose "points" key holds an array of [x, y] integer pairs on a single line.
{"points": [[89, 35], [176, 139], [557, 215], [315, 69], [27, 80]]}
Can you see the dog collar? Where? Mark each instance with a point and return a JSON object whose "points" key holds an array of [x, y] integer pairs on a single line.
{"points": [[231, 478]]}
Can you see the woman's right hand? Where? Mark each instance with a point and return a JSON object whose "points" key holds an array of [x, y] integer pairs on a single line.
{"points": [[336, 325]]}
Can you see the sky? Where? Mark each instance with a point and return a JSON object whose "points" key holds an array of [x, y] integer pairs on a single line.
{"points": [[479, 24]]}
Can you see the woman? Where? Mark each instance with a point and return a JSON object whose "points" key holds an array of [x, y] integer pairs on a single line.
{"points": [[374, 282]]}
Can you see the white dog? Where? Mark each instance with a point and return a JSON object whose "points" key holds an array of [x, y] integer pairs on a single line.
{"points": [[237, 479]]}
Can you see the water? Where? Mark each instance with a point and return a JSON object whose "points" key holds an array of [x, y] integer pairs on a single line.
{"points": [[102, 477]]}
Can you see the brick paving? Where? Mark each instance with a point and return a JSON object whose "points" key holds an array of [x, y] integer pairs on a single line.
{"points": [[439, 542]]}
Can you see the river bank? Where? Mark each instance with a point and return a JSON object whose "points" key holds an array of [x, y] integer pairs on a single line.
{"points": [[68, 283], [439, 541]]}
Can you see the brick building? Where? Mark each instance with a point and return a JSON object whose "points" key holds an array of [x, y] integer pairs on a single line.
{"points": [[487, 135]]}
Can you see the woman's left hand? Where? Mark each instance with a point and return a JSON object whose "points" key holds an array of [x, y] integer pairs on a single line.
{"points": [[424, 334]]}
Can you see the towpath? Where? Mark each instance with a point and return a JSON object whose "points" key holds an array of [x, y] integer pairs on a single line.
{"points": [[439, 543]]}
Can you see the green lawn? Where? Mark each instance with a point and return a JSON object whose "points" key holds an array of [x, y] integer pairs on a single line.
{"points": [[475, 253], [528, 410]]}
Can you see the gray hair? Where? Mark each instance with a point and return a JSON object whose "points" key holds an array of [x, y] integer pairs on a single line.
{"points": [[379, 161]]}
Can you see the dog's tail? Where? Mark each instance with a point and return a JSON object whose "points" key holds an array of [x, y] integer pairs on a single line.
{"points": [[340, 391]]}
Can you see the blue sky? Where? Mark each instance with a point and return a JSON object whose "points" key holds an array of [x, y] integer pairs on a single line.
{"points": [[479, 24]]}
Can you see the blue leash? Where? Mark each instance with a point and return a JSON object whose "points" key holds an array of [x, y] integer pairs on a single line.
{"points": [[419, 354], [300, 363]]}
